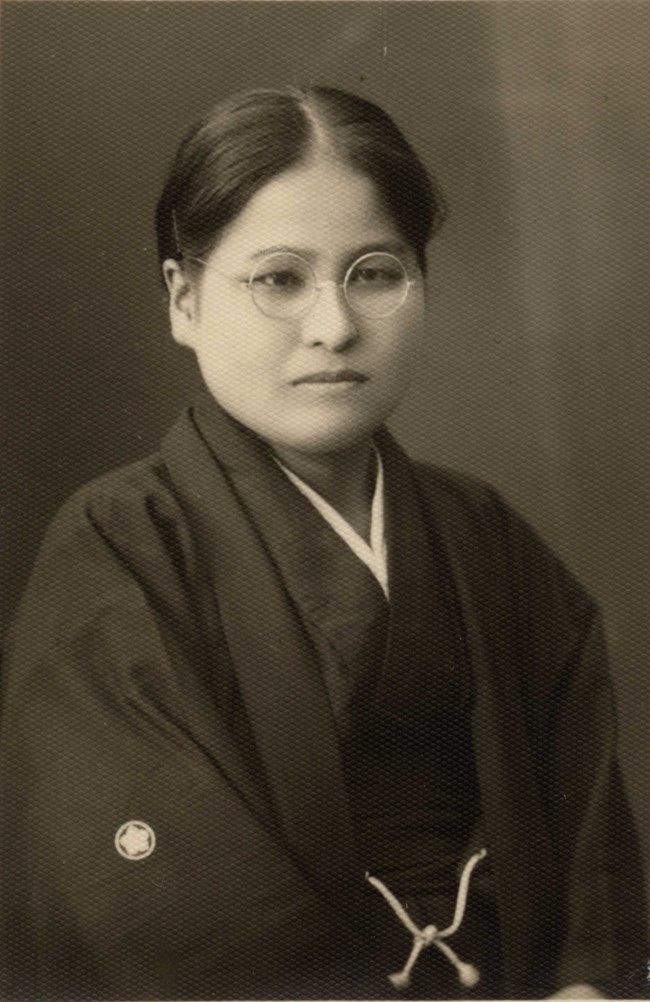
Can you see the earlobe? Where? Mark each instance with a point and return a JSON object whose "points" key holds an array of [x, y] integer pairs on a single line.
{"points": [[182, 301]]}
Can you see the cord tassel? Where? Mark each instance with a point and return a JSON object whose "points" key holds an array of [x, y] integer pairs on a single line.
{"points": [[468, 974]]}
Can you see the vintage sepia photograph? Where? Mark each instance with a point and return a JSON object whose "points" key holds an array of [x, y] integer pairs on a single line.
{"points": [[325, 500]]}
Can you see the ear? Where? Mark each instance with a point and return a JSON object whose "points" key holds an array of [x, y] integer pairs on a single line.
{"points": [[182, 302]]}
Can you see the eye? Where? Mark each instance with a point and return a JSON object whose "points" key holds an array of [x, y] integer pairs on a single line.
{"points": [[285, 280], [378, 272]]}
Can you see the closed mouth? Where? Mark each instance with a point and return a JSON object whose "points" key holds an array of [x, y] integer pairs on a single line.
{"points": [[340, 376]]}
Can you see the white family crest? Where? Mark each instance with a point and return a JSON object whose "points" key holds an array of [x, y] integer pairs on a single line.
{"points": [[135, 840]]}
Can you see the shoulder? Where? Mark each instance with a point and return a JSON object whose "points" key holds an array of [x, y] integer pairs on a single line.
{"points": [[448, 487], [533, 615], [498, 546], [124, 492], [119, 544], [112, 518], [474, 505], [468, 507]]}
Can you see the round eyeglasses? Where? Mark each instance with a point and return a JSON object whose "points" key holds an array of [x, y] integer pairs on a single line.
{"points": [[283, 285]]}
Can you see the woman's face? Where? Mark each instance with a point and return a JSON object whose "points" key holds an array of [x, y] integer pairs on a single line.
{"points": [[276, 375]]}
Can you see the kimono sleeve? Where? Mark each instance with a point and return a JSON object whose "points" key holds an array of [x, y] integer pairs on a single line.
{"points": [[606, 938], [80, 735], [572, 721]]}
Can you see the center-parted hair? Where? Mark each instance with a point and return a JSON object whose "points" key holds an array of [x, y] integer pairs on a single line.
{"points": [[254, 136]]}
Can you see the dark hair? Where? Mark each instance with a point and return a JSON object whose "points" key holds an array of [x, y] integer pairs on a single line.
{"points": [[251, 137]]}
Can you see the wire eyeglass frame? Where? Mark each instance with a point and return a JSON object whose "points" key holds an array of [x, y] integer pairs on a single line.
{"points": [[306, 300]]}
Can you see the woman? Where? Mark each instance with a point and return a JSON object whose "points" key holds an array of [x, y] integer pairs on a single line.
{"points": [[288, 715]]}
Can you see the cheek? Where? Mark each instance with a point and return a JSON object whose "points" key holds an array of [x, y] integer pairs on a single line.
{"points": [[229, 347], [401, 346], [230, 367], [241, 369]]}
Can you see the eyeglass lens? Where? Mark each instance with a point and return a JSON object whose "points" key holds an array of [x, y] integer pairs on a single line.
{"points": [[283, 285]]}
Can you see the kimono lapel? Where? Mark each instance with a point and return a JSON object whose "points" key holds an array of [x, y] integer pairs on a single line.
{"points": [[424, 622], [279, 680], [333, 588], [338, 599]]}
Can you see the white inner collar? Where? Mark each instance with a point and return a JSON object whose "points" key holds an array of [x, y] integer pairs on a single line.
{"points": [[373, 555]]}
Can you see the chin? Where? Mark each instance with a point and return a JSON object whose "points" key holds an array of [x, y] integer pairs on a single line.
{"points": [[335, 436]]}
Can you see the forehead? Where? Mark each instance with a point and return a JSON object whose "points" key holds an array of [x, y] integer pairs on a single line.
{"points": [[322, 208]]}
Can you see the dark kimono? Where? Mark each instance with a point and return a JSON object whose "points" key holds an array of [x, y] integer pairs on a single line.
{"points": [[199, 658]]}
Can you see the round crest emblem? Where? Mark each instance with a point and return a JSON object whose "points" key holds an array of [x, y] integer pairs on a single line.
{"points": [[135, 840]]}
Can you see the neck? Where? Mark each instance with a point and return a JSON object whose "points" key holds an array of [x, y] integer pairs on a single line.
{"points": [[346, 479]]}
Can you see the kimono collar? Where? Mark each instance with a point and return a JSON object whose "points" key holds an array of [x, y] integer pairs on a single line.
{"points": [[375, 555]]}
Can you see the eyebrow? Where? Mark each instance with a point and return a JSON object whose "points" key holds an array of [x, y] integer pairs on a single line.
{"points": [[389, 246]]}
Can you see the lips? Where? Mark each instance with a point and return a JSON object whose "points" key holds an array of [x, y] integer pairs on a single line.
{"points": [[339, 376]]}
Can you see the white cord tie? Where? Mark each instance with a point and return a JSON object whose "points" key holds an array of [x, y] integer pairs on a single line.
{"points": [[468, 974]]}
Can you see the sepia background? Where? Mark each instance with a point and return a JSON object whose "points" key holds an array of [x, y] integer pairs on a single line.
{"points": [[536, 120]]}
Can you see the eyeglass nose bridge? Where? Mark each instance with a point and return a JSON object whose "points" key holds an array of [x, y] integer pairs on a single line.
{"points": [[329, 283], [317, 287]]}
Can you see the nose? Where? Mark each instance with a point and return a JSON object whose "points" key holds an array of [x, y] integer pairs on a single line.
{"points": [[330, 322]]}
